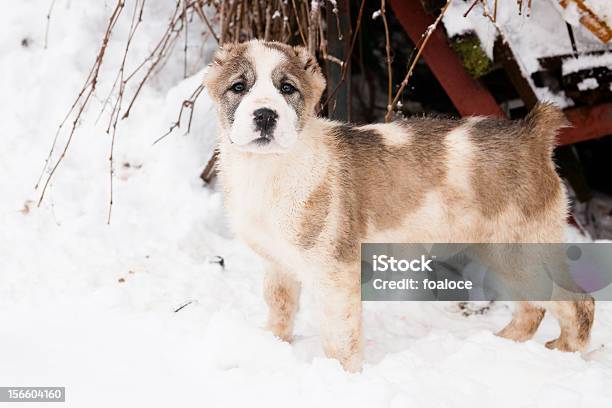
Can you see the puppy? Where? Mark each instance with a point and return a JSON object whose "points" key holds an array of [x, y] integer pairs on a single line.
{"points": [[304, 192]]}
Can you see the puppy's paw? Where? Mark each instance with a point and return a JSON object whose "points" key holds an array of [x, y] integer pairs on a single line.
{"points": [[560, 344], [353, 364], [512, 333], [282, 332]]}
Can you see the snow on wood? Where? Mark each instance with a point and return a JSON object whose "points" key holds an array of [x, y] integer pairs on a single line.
{"points": [[588, 17], [586, 62], [532, 36]]}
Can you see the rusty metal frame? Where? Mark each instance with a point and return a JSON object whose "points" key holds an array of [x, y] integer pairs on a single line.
{"points": [[469, 96]]}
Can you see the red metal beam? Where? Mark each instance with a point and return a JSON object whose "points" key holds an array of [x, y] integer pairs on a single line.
{"points": [[468, 95], [588, 123]]}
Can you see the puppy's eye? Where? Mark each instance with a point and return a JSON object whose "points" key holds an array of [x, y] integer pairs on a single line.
{"points": [[287, 88], [238, 87]]}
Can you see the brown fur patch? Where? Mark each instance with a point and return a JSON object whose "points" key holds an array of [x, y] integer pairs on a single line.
{"points": [[512, 166], [281, 293], [228, 62], [381, 184], [230, 65], [314, 215], [302, 66], [575, 319], [585, 313]]}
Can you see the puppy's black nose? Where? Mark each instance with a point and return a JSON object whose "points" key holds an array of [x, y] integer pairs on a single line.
{"points": [[265, 120]]}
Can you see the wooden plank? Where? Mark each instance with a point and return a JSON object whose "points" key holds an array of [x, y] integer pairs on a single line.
{"points": [[468, 95], [594, 23], [503, 53]]}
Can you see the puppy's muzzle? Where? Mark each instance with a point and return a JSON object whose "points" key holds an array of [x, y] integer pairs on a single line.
{"points": [[265, 122]]}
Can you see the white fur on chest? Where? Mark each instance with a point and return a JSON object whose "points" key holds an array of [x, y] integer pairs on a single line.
{"points": [[265, 195]]}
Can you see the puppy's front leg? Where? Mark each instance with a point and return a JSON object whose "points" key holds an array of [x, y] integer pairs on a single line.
{"points": [[282, 293], [339, 298]]}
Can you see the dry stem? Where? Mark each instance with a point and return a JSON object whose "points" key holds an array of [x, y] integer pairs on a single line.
{"points": [[420, 47], [383, 12]]}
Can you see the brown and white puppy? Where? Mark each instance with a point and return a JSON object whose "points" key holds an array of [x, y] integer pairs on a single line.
{"points": [[304, 192]]}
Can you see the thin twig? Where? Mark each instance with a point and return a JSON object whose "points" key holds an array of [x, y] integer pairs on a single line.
{"points": [[267, 31], [181, 307], [226, 23], [299, 24], [48, 23], [347, 58], [136, 20], [187, 104], [286, 27], [202, 15], [470, 8], [495, 10], [312, 26], [162, 50], [186, 27], [383, 12], [425, 38], [87, 90], [335, 12], [222, 18], [234, 21]]}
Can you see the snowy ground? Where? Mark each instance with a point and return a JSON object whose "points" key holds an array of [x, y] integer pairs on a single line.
{"points": [[90, 306]]}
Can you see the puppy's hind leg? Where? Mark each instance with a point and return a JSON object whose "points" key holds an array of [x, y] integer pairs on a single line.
{"points": [[575, 319], [525, 321], [282, 293], [339, 299]]}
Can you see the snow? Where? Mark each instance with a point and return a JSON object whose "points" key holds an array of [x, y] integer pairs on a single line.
{"points": [[586, 62], [588, 83], [571, 14], [540, 32], [314, 5], [69, 320], [602, 8]]}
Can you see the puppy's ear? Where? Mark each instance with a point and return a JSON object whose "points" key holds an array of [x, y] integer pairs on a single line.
{"points": [[223, 53], [313, 71], [211, 73]]}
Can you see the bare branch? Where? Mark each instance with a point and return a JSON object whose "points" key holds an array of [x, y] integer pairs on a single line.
{"points": [[348, 57], [83, 97], [136, 20], [383, 12], [187, 104], [423, 43], [48, 24], [299, 24], [202, 15], [315, 14]]}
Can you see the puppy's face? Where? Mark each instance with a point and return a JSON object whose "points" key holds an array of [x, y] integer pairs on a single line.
{"points": [[264, 91]]}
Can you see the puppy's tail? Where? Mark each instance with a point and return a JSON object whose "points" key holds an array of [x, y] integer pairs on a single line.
{"points": [[543, 124]]}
